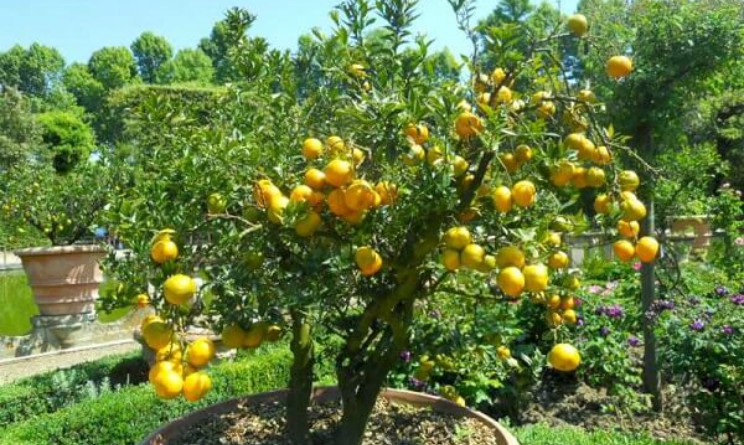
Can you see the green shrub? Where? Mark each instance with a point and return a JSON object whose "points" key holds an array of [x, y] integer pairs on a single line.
{"points": [[548, 435], [127, 416], [67, 136]]}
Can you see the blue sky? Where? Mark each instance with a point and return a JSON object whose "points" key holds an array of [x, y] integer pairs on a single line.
{"points": [[79, 27]]}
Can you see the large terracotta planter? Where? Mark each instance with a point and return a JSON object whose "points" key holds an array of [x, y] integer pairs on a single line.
{"points": [[700, 225], [64, 279], [171, 430]]}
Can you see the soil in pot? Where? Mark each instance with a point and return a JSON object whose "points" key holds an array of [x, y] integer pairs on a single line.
{"points": [[390, 424]]}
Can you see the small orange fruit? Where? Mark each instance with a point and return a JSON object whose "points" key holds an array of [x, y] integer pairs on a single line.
{"points": [[315, 178], [624, 250], [558, 260], [577, 25], [511, 281], [628, 229], [179, 289], [307, 225], [368, 260], [472, 256], [564, 357], [196, 386], [535, 277], [451, 259], [457, 238], [338, 173], [200, 352], [468, 125], [312, 148], [502, 198], [164, 250], [233, 336], [647, 249], [337, 202], [523, 193], [510, 256], [619, 66]]}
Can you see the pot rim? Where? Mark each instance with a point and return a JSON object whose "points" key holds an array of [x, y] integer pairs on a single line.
{"points": [[60, 250], [326, 393]]}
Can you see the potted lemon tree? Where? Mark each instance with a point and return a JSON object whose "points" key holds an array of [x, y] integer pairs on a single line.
{"points": [[341, 210], [59, 191]]}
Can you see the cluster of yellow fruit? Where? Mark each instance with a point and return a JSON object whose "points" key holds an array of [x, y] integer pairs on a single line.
{"points": [[163, 248], [174, 372], [234, 336]]}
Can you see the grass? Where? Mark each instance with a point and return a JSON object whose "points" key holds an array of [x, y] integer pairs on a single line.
{"points": [[17, 306], [541, 434]]}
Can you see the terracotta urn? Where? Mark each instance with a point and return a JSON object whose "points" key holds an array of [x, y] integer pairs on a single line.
{"points": [[64, 279], [168, 432]]}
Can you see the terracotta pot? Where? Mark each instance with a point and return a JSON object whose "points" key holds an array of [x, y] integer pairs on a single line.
{"points": [[64, 279], [700, 225], [323, 394]]}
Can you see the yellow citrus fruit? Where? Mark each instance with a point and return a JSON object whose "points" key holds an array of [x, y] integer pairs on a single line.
{"points": [[577, 24], [498, 75], [415, 155], [562, 173], [273, 333], [179, 288], [457, 238], [647, 249], [504, 95], [558, 260], [336, 145], [200, 352], [472, 256], [163, 251], [307, 225], [503, 352], [264, 191], [157, 334], [602, 203], [359, 195], [502, 198], [574, 141], [163, 366], [468, 125], [357, 156], [535, 277], [489, 263], [624, 250], [586, 96], [546, 109], [511, 281], [628, 180], [418, 133], [275, 211], [149, 319], [579, 178], [233, 336], [255, 335], [523, 193], [568, 303], [301, 193], [510, 256], [368, 260], [312, 148], [168, 384], [510, 162], [564, 357], [434, 155], [633, 209], [628, 229], [142, 300], [552, 239], [315, 178], [595, 177], [569, 316], [196, 386], [388, 192], [619, 66], [554, 318], [523, 153], [337, 202], [338, 173], [554, 302], [460, 165], [171, 352], [357, 70], [451, 259], [602, 155]]}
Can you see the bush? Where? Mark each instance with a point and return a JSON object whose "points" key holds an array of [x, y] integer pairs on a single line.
{"points": [[68, 137], [127, 416]]}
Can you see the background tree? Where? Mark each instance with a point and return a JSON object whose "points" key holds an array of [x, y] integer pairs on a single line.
{"points": [[189, 65], [113, 67], [69, 139], [151, 52], [34, 71], [226, 37], [18, 131], [88, 91]]}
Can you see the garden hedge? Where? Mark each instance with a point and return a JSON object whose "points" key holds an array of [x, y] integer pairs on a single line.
{"points": [[128, 415]]}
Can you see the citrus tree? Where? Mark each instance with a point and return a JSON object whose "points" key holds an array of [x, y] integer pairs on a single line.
{"points": [[340, 211]]}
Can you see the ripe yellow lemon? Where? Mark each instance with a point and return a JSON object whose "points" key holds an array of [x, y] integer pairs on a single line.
{"points": [[460, 165], [336, 145], [595, 177], [624, 250], [451, 259], [523, 153], [535, 277], [523, 193], [337, 202], [468, 125], [564, 357], [196, 386], [368, 260], [511, 281], [158, 368], [558, 260], [510, 162], [315, 178], [359, 195], [418, 133], [472, 256], [179, 288], [157, 334], [562, 173], [602, 204], [628, 229], [415, 155], [554, 302], [388, 192], [168, 384], [301, 193], [171, 352], [510, 256], [579, 178], [163, 251], [647, 249], [502, 198], [264, 191], [619, 66], [457, 238], [200, 352], [338, 173], [312, 148], [577, 24], [233, 336], [569, 316], [255, 335], [275, 210], [307, 225], [633, 209], [602, 155], [628, 180]]}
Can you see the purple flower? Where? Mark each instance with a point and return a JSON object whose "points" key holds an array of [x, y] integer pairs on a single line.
{"points": [[604, 331], [721, 291], [600, 310], [578, 302], [697, 325], [615, 311], [665, 305], [738, 299], [633, 341], [727, 330], [405, 356], [416, 383], [580, 321]]}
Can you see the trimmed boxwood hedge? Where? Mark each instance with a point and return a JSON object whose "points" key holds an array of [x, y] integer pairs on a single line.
{"points": [[127, 416], [51, 391]]}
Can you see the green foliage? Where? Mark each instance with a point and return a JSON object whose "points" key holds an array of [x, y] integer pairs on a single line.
{"points": [[18, 132], [151, 52], [113, 67], [66, 135], [16, 302], [88, 91], [34, 71], [189, 65], [541, 434], [225, 41]]}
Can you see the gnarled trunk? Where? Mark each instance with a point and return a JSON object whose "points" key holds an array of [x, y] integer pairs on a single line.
{"points": [[301, 380]]}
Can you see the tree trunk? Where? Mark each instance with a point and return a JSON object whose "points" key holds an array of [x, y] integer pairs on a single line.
{"points": [[300, 380], [651, 378]]}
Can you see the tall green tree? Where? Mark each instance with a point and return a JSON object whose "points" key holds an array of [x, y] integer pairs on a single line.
{"points": [[113, 67], [189, 65], [227, 36], [34, 71], [676, 46], [88, 91], [18, 132], [151, 52]]}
